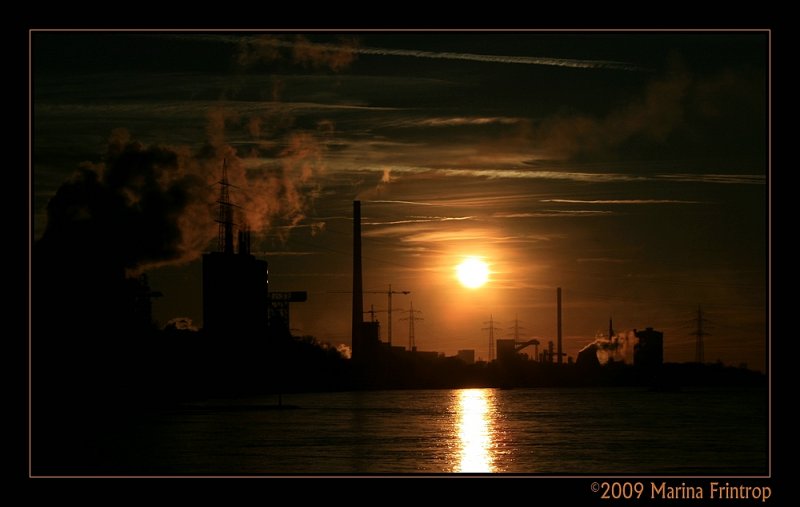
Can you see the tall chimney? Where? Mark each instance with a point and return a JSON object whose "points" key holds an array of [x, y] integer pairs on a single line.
{"points": [[559, 324], [358, 295]]}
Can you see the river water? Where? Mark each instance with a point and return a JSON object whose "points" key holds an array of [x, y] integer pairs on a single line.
{"points": [[710, 431]]}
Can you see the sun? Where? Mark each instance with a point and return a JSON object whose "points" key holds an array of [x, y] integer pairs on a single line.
{"points": [[472, 273]]}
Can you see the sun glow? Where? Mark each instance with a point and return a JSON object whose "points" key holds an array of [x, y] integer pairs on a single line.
{"points": [[472, 273]]}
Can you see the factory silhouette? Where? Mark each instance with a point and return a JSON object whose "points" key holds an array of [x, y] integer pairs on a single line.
{"points": [[97, 356], [246, 345]]}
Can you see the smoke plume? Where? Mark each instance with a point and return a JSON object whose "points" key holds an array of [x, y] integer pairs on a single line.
{"points": [[614, 348], [142, 206], [266, 49], [654, 117]]}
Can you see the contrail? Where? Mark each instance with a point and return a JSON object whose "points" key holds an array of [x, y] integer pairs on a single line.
{"points": [[621, 201], [522, 60], [435, 55]]}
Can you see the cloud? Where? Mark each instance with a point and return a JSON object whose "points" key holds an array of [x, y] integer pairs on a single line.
{"points": [[542, 175], [620, 201], [155, 205], [554, 213], [414, 203], [416, 220], [457, 121], [653, 116], [608, 260], [146, 206], [336, 57], [265, 49], [517, 60], [726, 179]]}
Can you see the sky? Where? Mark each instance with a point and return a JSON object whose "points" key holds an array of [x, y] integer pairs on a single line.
{"points": [[628, 168]]}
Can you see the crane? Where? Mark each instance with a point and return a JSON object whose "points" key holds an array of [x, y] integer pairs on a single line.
{"points": [[389, 311]]}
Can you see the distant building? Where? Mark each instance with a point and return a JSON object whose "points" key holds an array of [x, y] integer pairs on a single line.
{"points": [[467, 356], [506, 350], [649, 349]]}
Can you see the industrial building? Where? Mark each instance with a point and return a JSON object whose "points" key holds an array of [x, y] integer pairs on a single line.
{"points": [[467, 356], [649, 349], [506, 350], [235, 284]]}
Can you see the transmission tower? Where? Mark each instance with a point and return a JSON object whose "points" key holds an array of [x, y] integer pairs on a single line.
{"points": [[516, 327], [225, 213], [372, 311], [491, 330], [412, 344], [699, 333]]}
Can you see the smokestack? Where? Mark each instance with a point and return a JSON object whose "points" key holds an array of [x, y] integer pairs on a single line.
{"points": [[358, 295], [559, 324]]}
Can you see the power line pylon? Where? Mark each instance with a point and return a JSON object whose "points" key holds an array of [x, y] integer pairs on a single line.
{"points": [[699, 333], [491, 330], [412, 343]]}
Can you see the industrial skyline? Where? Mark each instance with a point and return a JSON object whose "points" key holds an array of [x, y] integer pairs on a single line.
{"points": [[629, 170]]}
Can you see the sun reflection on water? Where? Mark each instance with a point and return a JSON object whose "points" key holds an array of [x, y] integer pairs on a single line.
{"points": [[475, 432]]}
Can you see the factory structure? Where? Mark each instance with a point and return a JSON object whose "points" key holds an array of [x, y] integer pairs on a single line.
{"points": [[240, 308], [237, 302], [367, 343]]}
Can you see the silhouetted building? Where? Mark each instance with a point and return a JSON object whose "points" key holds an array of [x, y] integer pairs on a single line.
{"points": [[235, 285], [426, 355], [142, 302], [467, 356], [588, 357], [235, 295], [506, 350], [649, 349], [370, 338], [279, 321]]}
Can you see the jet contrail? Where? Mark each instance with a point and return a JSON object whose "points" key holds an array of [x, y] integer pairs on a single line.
{"points": [[435, 55], [523, 60]]}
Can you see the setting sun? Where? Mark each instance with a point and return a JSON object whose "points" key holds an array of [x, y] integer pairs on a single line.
{"points": [[472, 273]]}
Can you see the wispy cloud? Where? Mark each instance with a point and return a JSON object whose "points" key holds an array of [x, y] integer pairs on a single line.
{"points": [[197, 107], [608, 260], [415, 203], [520, 60], [542, 175], [264, 42], [620, 201], [458, 235], [554, 213], [740, 179], [417, 220], [457, 121]]}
